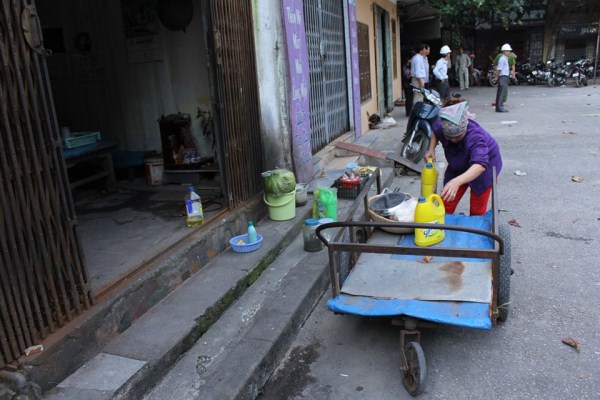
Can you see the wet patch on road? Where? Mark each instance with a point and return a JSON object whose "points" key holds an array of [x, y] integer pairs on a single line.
{"points": [[569, 237], [290, 380]]}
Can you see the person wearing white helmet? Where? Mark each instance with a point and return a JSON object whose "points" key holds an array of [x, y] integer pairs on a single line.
{"points": [[501, 74], [512, 61], [440, 71]]}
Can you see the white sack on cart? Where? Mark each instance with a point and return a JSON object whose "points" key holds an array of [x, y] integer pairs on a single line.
{"points": [[405, 211]]}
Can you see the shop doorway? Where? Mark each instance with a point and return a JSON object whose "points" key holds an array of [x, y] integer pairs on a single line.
{"points": [[154, 82], [384, 61]]}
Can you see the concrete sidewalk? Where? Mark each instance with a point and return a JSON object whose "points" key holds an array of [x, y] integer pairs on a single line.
{"points": [[227, 326], [221, 332]]}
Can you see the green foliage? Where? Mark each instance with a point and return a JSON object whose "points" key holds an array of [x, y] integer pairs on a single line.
{"points": [[467, 14]]}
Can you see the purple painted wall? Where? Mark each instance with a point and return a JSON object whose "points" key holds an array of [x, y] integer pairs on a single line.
{"points": [[354, 67], [299, 96]]}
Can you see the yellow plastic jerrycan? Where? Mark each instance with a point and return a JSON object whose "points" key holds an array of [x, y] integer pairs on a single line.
{"points": [[430, 210], [429, 178]]}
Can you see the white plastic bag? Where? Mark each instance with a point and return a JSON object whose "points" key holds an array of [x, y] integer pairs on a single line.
{"points": [[405, 211]]}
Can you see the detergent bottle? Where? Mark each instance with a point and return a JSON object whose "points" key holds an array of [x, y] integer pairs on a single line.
{"points": [[430, 210], [193, 206], [429, 178], [325, 203]]}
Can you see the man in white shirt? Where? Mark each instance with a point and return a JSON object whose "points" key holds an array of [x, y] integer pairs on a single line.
{"points": [[462, 64], [440, 71], [419, 70], [501, 74]]}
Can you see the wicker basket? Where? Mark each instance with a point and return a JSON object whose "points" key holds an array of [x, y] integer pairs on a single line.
{"points": [[378, 218]]}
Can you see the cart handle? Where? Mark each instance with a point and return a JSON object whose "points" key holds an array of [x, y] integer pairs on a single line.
{"points": [[410, 225]]}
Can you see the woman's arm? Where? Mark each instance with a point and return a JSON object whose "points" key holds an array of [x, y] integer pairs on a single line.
{"points": [[431, 150], [451, 188]]}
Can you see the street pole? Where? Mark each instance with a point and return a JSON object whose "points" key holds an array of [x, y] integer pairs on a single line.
{"points": [[597, 48]]}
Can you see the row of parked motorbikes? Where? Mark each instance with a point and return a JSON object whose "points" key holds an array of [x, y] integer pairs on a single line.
{"points": [[552, 73]]}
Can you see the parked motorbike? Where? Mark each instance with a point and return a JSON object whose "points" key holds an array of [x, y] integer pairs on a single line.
{"points": [[588, 66], [538, 74], [476, 78], [579, 73], [512, 80], [523, 72], [556, 73], [490, 77], [418, 131]]}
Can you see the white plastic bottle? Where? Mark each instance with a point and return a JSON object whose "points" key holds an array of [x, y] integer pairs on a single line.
{"points": [[193, 206], [252, 237]]}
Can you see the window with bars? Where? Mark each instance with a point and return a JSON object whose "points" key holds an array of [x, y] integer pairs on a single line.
{"points": [[364, 61], [394, 50]]}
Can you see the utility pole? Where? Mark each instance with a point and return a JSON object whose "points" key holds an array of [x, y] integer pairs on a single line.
{"points": [[597, 48]]}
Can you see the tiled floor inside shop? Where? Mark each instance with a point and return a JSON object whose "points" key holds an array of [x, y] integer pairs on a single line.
{"points": [[121, 231]]}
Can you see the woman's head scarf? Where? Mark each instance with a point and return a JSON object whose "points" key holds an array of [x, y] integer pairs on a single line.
{"points": [[454, 119]]}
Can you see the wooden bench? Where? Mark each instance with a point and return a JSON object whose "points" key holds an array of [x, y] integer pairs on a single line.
{"points": [[100, 150]]}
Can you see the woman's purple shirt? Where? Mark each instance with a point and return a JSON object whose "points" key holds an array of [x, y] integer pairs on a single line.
{"points": [[477, 147]]}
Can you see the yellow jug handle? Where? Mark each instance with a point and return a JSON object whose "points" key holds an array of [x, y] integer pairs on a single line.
{"points": [[433, 197], [430, 160]]}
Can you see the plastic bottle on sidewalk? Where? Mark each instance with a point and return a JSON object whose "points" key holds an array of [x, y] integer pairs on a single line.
{"points": [[252, 238], [429, 178], [193, 207]]}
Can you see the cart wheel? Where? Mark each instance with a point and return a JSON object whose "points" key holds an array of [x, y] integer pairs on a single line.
{"points": [[505, 273], [416, 373]]}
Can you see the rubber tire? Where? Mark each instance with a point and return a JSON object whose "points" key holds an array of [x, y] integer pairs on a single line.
{"points": [[551, 82], [584, 80], [491, 82], [424, 140], [578, 81], [415, 378], [505, 274]]}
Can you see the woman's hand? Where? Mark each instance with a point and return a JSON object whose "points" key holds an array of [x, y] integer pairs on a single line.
{"points": [[451, 189], [428, 155]]}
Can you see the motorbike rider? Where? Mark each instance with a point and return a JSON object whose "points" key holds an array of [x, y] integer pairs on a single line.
{"points": [[440, 71], [470, 152]]}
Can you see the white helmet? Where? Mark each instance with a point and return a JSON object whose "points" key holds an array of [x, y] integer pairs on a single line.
{"points": [[445, 50], [506, 47]]}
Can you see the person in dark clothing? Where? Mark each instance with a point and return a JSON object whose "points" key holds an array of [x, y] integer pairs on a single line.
{"points": [[408, 92]]}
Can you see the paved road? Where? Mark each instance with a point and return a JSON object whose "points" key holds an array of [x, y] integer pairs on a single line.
{"points": [[555, 288]]}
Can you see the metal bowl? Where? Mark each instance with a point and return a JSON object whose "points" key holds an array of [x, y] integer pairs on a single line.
{"points": [[382, 204]]}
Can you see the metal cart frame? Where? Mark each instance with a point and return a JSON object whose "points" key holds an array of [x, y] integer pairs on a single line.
{"points": [[352, 236]]}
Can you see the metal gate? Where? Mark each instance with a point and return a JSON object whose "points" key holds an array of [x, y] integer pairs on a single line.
{"points": [[575, 42], [384, 61], [325, 40], [235, 96], [43, 281]]}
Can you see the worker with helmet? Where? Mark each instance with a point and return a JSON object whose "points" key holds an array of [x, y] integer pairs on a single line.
{"points": [[501, 74], [440, 71]]}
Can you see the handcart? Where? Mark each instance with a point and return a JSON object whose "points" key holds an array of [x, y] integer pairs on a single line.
{"points": [[463, 281]]}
